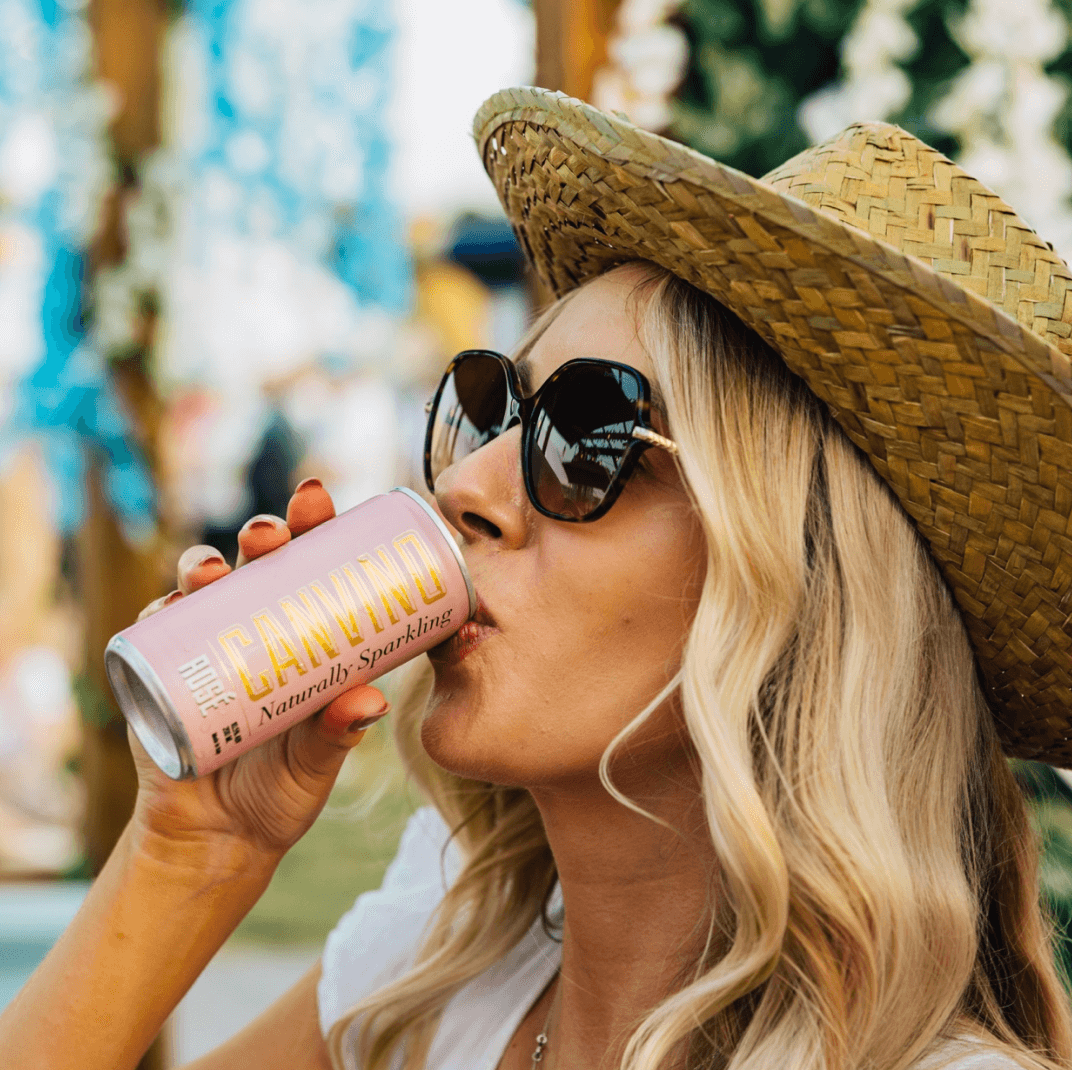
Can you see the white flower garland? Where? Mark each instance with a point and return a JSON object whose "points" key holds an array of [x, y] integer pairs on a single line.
{"points": [[54, 165], [1003, 105], [875, 86], [267, 145], [263, 228], [647, 59]]}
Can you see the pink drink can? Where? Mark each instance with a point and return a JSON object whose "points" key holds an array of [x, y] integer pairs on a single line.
{"points": [[226, 668]]}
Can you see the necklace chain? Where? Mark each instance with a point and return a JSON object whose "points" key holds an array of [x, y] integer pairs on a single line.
{"points": [[541, 1039]]}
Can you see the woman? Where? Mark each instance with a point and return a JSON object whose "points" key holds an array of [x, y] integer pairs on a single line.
{"points": [[715, 780]]}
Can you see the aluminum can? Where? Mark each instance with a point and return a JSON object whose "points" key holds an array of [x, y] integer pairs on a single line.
{"points": [[221, 670]]}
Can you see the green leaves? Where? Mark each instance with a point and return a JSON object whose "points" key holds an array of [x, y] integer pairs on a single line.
{"points": [[751, 63], [1050, 800]]}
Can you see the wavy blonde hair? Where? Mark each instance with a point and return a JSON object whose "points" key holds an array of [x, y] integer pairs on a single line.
{"points": [[878, 871]]}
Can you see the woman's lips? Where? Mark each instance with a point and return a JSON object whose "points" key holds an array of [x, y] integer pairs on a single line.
{"points": [[466, 639]]}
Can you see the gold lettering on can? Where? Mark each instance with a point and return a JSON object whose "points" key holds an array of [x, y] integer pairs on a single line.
{"points": [[237, 634], [344, 611], [362, 589], [406, 544], [309, 626], [388, 582], [277, 645]]}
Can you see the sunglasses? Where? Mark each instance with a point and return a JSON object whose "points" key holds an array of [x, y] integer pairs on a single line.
{"points": [[582, 432]]}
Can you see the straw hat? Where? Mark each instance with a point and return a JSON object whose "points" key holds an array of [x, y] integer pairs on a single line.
{"points": [[931, 319]]}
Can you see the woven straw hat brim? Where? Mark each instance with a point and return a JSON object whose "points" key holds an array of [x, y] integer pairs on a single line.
{"points": [[948, 374]]}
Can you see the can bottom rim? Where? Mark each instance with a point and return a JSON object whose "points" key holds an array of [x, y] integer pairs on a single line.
{"points": [[144, 703]]}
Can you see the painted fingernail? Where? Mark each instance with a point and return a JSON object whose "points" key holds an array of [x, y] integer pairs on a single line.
{"points": [[174, 596], [308, 484], [196, 556], [366, 722], [363, 723], [263, 522]]}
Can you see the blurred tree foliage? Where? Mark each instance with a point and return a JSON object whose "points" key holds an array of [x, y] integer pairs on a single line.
{"points": [[1061, 68], [937, 60], [751, 63], [1050, 799]]}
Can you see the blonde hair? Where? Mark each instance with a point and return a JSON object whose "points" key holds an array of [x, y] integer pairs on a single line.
{"points": [[877, 866]]}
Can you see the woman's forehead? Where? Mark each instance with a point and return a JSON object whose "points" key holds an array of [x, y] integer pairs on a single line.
{"points": [[599, 321]]}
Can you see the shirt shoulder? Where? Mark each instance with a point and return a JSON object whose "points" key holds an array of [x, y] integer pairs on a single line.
{"points": [[967, 1053], [377, 939]]}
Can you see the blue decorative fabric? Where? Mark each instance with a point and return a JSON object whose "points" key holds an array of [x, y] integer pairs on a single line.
{"points": [[296, 98], [52, 168], [282, 150]]}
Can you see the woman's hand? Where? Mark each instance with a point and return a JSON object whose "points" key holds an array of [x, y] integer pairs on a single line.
{"points": [[249, 812]]}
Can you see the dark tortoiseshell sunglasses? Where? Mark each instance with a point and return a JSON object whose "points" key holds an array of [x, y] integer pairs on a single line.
{"points": [[582, 431]]}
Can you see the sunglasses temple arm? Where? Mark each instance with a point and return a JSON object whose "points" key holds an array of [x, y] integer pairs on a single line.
{"points": [[653, 438]]}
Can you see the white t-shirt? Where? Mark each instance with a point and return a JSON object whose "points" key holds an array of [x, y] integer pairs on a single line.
{"points": [[377, 940]]}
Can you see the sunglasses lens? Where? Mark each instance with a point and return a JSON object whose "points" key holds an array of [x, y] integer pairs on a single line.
{"points": [[582, 429], [471, 410]]}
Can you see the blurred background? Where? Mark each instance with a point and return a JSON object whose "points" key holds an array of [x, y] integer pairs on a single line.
{"points": [[238, 241]]}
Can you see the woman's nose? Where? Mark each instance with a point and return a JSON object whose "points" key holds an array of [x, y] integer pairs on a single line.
{"points": [[483, 495]]}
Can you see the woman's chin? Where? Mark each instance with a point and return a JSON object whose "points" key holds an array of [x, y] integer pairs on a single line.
{"points": [[447, 733], [455, 740]]}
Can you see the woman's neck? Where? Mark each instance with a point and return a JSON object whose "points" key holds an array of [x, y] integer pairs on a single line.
{"points": [[638, 901]]}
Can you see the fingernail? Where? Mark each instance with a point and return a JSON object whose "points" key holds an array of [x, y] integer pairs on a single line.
{"points": [[366, 722], [196, 556], [174, 596], [308, 484], [260, 523]]}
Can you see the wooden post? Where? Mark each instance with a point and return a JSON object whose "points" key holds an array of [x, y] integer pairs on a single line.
{"points": [[117, 579], [571, 43]]}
